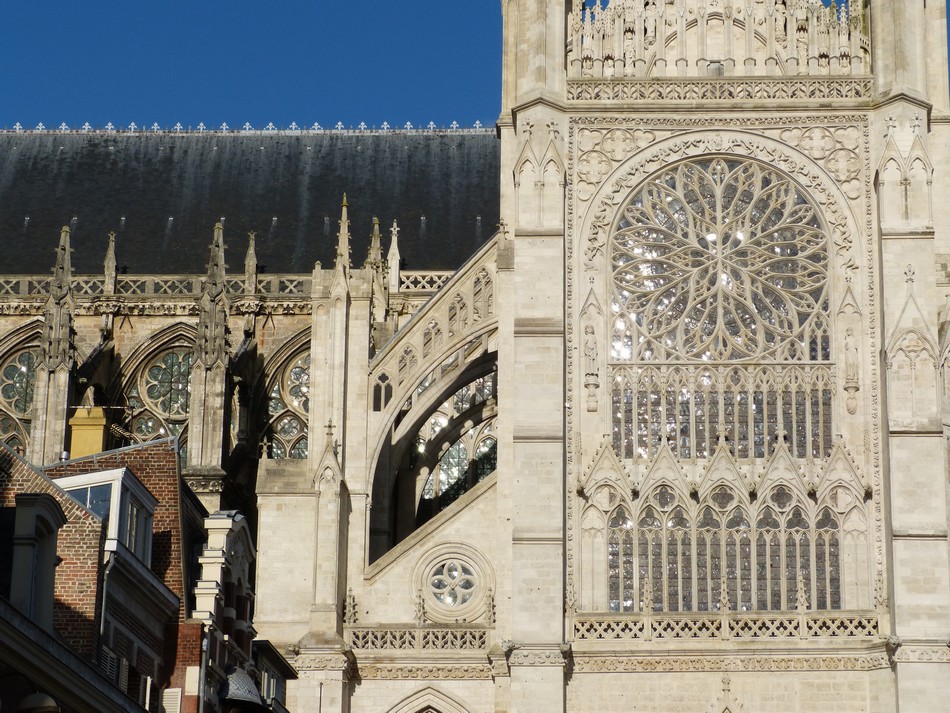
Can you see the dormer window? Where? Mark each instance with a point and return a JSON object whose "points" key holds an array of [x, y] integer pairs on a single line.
{"points": [[117, 491]]}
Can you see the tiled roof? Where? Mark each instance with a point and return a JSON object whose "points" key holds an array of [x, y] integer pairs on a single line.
{"points": [[163, 192]]}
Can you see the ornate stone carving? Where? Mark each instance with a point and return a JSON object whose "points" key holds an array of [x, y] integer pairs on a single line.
{"points": [[653, 663], [425, 672], [422, 637], [712, 90]]}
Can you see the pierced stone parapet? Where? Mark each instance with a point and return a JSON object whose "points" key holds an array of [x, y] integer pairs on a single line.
{"points": [[715, 625], [421, 638], [423, 281]]}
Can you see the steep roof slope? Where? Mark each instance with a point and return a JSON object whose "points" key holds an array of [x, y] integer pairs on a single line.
{"points": [[162, 193]]}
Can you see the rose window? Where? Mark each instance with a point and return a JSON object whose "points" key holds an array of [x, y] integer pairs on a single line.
{"points": [[720, 319], [720, 260], [452, 583]]}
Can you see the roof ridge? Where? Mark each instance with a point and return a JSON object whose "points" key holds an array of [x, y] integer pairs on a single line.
{"points": [[247, 129]]}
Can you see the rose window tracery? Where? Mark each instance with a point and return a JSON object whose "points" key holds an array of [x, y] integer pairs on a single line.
{"points": [[452, 583], [720, 260], [288, 409], [720, 318]]}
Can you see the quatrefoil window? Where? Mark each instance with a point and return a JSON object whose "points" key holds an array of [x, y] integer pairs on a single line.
{"points": [[452, 583]]}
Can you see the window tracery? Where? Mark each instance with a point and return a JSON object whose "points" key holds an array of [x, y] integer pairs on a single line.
{"points": [[159, 396], [466, 456], [721, 343], [720, 314], [288, 409], [17, 381], [670, 553]]}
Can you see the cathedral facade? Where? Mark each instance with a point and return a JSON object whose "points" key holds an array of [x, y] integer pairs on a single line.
{"points": [[671, 438]]}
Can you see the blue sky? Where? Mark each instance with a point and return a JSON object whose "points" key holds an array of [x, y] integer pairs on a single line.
{"points": [[240, 61]]}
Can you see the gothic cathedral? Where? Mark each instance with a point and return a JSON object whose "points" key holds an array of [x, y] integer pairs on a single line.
{"points": [[672, 439]]}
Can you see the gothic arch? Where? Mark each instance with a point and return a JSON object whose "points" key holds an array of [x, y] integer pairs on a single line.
{"points": [[270, 410], [19, 355], [426, 700], [179, 334], [723, 514], [143, 419]]}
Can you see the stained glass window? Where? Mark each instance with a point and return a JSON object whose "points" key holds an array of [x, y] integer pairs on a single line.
{"points": [[159, 396], [17, 381], [720, 319], [758, 554], [288, 408]]}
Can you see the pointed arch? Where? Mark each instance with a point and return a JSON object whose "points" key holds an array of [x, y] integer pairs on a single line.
{"points": [[19, 357], [152, 388], [426, 700]]}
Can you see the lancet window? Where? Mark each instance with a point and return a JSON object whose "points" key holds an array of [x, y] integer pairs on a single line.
{"points": [[288, 409], [721, 327], [725, 553], [17, 380], [159, 396]]}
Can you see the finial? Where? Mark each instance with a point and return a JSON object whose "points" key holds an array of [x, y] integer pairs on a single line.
{"points": [[330, 428], [250, 264], [393, 258], [62, 270], [345, 204]]}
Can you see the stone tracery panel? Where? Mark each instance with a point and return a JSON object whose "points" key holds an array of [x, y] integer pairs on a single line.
{"points": [[288, 407], [719, 261], [17, 379], [159, 394], [815, 378]]}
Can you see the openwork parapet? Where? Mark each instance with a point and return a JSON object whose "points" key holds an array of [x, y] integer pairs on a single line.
{"points": [[426, 639], [731, 626]]}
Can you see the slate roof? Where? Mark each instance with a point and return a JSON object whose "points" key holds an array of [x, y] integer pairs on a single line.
{"points": [[162, 194]]}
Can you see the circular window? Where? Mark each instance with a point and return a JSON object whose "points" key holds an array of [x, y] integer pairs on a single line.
{"points": [[720, 259], [453, 581]]}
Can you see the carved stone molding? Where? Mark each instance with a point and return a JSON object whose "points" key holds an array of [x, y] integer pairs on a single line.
{"points": [[341, 661], [536, 657], [425, 672], [653, 663], [711, 90], [922, 654]]}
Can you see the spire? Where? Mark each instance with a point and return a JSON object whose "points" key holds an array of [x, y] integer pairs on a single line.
{"points": [[58, 348], [343, 238], [393, 258], [250, 265], [375, 255]]}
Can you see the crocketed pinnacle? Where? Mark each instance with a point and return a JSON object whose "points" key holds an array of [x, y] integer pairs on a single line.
{"points": [[343, 238]]}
